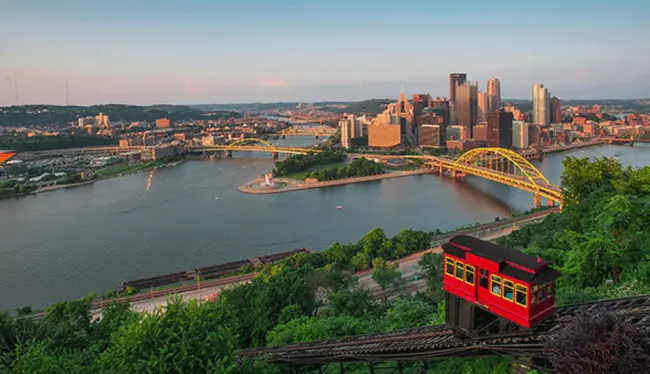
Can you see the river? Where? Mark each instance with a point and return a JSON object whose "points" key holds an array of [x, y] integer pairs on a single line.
{"points": [[60, 245]]}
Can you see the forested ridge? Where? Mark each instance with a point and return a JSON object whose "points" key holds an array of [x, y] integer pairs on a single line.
{"points": [[600, 242]]}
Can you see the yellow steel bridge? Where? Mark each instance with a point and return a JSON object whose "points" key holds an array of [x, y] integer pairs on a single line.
{"points": [[256, 145], [495, 164]]}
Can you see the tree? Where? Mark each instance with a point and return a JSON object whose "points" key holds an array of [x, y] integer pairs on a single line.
{"points": [[181, 338], [431, 264], [385, 274], [599, 343], [348, 302], [408, 312]]}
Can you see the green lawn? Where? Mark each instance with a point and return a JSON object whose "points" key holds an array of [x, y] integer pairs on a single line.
{"points": [[303, 174]]}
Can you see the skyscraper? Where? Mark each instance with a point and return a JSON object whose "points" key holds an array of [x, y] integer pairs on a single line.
{"points": [[483, 106], [494, 94], [454, 80], [541, 105], [467, 105], [500, 127], [520, 135], [556, 110]]}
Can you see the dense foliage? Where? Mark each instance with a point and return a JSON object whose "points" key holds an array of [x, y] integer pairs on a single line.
{"points": [[42, 143], [12, 188], [360, 167], [600, 343], [601, 241], [300, 163]]}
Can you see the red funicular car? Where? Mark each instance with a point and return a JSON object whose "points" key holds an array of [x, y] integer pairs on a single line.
{"points": [[503, 281]]}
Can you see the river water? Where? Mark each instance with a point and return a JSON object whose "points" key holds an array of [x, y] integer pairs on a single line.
{"points": [[63, 244]]}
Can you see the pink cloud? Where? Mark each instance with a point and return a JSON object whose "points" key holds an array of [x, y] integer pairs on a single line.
{"points": [[271, 82], [191, 88], [581, 75]]}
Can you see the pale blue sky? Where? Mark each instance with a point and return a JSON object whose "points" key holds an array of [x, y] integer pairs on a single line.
{"points": [[191, 51]]}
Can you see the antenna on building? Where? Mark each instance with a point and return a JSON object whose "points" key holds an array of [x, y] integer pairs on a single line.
{"points": [[15, 87], [67, 96]]}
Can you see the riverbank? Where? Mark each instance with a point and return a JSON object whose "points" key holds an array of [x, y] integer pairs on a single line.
{"points": [[289, 185], [97, 179]]}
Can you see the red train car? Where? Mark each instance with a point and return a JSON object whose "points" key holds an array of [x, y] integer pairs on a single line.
{"points": [[503, 281]]}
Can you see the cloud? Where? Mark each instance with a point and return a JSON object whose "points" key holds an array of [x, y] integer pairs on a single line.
{"points": [[271, 82], [191, 88], [581, 75]]}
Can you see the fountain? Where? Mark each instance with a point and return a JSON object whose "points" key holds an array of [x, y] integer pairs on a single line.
{"points": [[268, 181]]}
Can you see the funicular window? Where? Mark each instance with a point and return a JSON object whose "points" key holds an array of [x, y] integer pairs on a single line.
{"points": [[542, 293], [495, 289], [551, 289], [508, 290], [459, 270], [449, 269], [534, 295], [469, 274], [521, 297], [483, 280]]}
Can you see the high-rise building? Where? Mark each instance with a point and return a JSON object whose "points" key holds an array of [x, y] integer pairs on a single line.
{"points": [[556, 110], [500, 127], [344, 125], [483, 110], [429, 135], [541, 105], [494, 94], [454, 80], [466, 105], [421, 101], [520, 134]]}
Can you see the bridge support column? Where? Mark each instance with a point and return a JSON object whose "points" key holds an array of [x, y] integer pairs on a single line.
{"points": [[453, 173], [551, 202], [229, 154], [442, 170], [538, 201], [275, 155]]}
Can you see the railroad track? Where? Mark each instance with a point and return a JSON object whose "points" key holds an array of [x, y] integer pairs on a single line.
{"points": [[438, 342]]}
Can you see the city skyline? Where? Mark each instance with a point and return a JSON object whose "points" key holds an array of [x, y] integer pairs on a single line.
{"points": [[143, 52]]}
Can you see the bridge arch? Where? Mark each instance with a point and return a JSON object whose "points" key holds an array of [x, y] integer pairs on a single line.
{"points": [[493, 154], [268, 145]]}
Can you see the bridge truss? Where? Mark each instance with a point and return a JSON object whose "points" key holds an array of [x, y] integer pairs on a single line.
{"points": [[505, 167]]}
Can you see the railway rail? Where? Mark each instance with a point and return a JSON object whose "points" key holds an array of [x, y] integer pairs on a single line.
{"points": [[440, 342]]}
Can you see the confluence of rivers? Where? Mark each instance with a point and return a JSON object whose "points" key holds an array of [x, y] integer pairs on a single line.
{"points": [[62, 244]]}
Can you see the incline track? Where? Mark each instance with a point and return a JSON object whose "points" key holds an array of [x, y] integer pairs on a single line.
{"points": [[438, 342]]}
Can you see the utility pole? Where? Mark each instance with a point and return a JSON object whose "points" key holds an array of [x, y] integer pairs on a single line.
{"points": [[15, 87], [67, 96]]}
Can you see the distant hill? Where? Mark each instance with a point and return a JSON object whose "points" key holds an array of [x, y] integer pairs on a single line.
{"points": [[35, 115], [372, 107]]}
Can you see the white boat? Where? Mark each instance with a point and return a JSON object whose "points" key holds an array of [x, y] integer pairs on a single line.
{"points": [[216, 198], [339, 207]]}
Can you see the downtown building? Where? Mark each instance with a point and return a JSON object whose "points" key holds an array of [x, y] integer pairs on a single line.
{"points": [[493, 94], [467, 106], [351, 128], [500, 129], [520, 135], [541, 106]]}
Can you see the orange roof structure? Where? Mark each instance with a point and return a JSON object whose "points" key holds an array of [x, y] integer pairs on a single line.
{"points": [[6, 155]]}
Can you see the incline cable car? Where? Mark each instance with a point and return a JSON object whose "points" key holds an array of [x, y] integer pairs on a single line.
{"points": [[491, 288]]}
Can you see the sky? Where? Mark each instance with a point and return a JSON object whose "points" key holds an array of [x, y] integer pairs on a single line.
{"points": [[193, 52]]}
